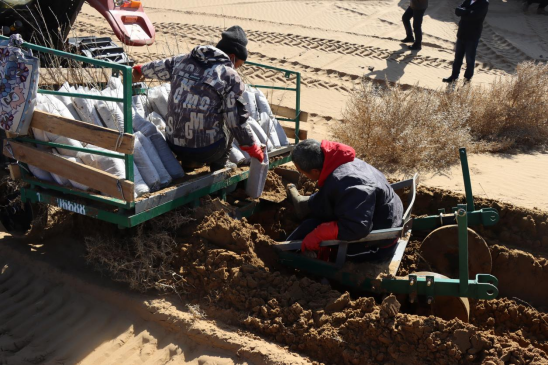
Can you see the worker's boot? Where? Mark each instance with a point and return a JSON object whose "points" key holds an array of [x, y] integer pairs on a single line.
{"points": [[300, 203]]}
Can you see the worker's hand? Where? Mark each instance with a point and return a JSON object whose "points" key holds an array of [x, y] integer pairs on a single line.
{"points": [[324, 232], [460, 11], [137, 75], [254, 151]]}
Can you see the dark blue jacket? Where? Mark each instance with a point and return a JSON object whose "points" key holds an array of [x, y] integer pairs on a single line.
{"points": [[355, 194]]}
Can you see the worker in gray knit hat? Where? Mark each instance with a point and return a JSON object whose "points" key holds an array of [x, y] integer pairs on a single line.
{"points": [[206, 110]]}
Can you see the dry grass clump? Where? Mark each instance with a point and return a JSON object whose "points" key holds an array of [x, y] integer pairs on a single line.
{"points": [[143, 261], [421, 130], [405, 131], [511, 112]]}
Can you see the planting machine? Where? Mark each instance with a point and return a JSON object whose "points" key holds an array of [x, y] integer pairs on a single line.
{"points": [[459, 259]]}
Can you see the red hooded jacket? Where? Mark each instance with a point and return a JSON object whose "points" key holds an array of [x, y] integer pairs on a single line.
{"points": [[335, 154]]}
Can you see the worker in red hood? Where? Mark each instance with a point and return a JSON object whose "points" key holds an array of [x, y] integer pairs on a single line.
{"points": [[354, 199]]}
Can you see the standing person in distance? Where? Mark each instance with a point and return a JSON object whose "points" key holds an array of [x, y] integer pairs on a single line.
{"points": [[416, 11], [472, 13]]}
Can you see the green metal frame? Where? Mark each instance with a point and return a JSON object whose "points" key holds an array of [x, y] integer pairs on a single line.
{"points": [[483, 286], [296, 89], [114, 210]]}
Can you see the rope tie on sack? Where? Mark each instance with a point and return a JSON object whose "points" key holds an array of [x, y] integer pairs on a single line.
{"points": [[10, 151]]}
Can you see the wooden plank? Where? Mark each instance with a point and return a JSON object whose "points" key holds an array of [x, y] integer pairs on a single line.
{"points": [[74, 76], [181, 190], [290, 133], [92, 177], [289, 113], [84, 132], [15, 171]]}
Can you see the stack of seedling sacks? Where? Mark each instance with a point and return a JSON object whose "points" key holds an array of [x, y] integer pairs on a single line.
{"points": [[266, 129], [155, 166]]}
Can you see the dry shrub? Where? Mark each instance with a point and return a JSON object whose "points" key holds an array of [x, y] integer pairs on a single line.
{"points": [[421, 130], [405, 131], [143, 261], [512, 112]]}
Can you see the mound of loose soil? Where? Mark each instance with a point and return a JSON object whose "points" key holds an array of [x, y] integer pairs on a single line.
{"points": [[274, 189], [325, 324]]}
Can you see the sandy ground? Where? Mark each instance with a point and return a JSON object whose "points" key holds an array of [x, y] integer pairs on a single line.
{"points": [[336, 43], [56, 311]]}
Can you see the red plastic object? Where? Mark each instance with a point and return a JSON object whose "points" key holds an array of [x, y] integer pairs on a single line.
{"points": [[128, 21]]}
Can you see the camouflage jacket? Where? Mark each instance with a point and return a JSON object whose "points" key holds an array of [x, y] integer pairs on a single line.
{"points": [[206, 93]]}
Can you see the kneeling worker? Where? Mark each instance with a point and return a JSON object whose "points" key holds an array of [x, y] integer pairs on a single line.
{"points": [[354, 199], [206, 110]]}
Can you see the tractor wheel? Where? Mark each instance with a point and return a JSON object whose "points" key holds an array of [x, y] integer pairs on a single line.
{"points": [[27, 222], [444, 307], [440, 250]]}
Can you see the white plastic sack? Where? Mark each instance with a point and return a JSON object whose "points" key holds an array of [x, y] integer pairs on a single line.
{"points": [[282, 137], [146, 167], [158, 96], [63, 181], [249, 97], [165, 177], [41, 174], [267, 124], [110, 113], [262, 103], [171, 164], [144, 126], [115, 83], [259, 133], [86, 107], [114, 166], [68, 100], [19, 73], [139, 185], [169, 161], [69, 142], [246, 155], [258, 172], [236, 156], [75, 184], [137, 106], [158, 121]]}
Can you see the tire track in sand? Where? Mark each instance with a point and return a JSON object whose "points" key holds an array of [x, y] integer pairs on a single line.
{"points": [[49, 316]]}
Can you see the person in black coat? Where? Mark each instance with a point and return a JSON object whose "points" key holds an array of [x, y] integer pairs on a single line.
{"points": [[416, 11], [472, 14], [541, 5]]}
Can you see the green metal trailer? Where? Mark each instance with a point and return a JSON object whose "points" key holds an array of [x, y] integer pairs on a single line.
{"points": [[125, 211]]}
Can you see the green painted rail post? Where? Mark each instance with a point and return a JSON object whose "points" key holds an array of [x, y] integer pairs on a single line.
{"points": [[462, 223], [128, 117]]}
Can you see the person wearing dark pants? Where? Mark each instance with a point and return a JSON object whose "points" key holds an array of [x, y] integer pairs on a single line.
{"points": [[416, 11], [541, 5], [472, 13]]}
